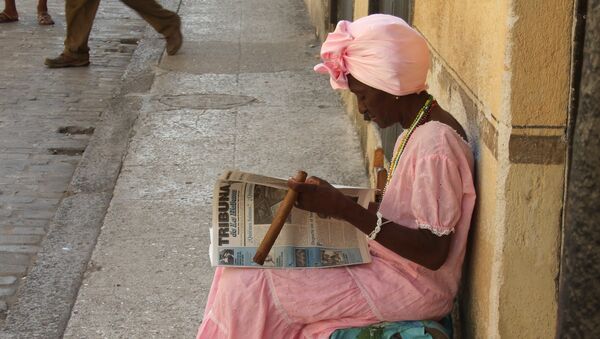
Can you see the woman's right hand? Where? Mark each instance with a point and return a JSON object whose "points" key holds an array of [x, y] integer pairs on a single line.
{"points": [[373, 207], [319, 196]]}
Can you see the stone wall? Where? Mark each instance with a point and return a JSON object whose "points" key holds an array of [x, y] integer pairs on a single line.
{"points": [[503, 69], [579, 311]]}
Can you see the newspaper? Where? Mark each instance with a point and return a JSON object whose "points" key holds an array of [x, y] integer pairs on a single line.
{"points": [[244, 205]]}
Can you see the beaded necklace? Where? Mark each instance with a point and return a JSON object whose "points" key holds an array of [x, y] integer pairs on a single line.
{"points": [[421, 118]]}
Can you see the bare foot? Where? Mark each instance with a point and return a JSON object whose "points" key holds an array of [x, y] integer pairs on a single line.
{"points": [[44, 19], [8, 17]]}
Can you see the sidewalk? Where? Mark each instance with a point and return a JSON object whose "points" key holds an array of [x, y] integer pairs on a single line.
{"points": [[240, 94]]}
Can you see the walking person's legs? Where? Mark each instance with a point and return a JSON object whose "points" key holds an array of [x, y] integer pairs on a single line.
{"points": [[162, 20], [42, 13], [80, 18], [10, 14]]}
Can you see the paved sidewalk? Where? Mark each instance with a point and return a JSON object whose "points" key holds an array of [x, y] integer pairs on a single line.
{"points": [[46, 120], [241, 94]]}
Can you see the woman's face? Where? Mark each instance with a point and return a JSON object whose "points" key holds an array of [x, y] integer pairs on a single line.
{"points": [[375, 105]]}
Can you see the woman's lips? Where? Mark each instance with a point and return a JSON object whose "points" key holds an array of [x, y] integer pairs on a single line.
{"points": [[368, 117]]}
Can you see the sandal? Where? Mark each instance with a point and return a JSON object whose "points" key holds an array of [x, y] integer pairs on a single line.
{"points": [[4, 18], [44, 19]]}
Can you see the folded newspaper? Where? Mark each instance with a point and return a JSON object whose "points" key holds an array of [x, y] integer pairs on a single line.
{"points": [[244, 205]]}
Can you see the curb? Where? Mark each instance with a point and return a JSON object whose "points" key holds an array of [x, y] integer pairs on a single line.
{"points": [[45, 301]]}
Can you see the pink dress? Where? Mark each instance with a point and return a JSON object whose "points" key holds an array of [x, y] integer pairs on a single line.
{"points": [[432, 189]]}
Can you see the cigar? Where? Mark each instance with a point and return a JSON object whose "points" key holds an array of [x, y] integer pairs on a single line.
{"points": [[277, 224]]}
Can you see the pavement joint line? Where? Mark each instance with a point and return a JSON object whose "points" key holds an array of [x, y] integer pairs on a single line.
{"points": [[35, 315]]}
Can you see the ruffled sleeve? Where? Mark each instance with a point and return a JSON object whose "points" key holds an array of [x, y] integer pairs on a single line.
{"points": [[436, 194]]}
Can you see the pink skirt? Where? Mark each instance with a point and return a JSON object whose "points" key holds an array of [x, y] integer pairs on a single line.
{"points": [[312, 303]]}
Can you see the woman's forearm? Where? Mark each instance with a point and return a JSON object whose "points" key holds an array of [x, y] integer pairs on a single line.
{"points": [[419, 246]]}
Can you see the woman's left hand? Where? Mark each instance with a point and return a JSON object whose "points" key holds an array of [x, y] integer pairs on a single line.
{"points": [[319, 196]]}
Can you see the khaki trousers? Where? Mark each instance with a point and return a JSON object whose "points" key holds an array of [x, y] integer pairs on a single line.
{"points": [[80, 18]]}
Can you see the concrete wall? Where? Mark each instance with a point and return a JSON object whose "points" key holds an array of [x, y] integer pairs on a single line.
{"points": [[502, 68], [318, 11]]}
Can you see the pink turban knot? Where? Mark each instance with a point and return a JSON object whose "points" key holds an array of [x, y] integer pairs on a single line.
{"points": [[379, 50]]}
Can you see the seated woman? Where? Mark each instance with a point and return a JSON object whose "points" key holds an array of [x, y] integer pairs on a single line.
{"points": [[418, 235]]}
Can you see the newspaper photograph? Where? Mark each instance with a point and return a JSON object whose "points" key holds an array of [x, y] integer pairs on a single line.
{"points": [[244, 206]]}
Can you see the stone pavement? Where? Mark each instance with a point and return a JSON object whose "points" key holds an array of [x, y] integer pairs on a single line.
{"points": [[46, 120], [240, 94]]}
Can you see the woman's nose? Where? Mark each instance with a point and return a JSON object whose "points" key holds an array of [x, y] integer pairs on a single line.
{"points": [[363, 110], [361, 107]]}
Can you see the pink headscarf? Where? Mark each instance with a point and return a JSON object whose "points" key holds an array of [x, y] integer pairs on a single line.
{"points": [[379, 50]]}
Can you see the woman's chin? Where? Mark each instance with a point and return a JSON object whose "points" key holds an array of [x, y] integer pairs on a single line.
{"points": [[377, 122], [380, 123]]}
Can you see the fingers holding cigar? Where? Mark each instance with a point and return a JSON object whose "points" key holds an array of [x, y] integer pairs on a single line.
{"points": [[310, 185], [305, 190], [319, 196]]}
